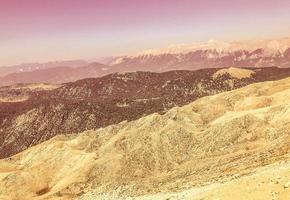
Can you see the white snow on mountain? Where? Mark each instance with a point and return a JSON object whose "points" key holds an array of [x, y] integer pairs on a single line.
{"points": [[270, 47]]}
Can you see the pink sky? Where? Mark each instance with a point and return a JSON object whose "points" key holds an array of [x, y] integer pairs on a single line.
{"points": [[43, 30]]}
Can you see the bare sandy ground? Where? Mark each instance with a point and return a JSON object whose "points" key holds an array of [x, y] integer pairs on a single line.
{"points": [[269, 182]]}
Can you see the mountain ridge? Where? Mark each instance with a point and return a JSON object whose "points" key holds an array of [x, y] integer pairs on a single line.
{"points": [[211, 139], [251, 53], [98, 102], [26, 67], [55, 75]]}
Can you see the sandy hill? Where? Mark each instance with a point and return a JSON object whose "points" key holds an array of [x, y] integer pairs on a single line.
{"points": [[269, 182], [32, 116], [29, 119], [214, 139]]}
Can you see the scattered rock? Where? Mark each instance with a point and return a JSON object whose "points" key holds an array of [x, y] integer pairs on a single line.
{"points": [[287, 185]]}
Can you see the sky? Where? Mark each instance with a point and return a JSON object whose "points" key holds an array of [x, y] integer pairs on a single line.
{"points": [[48, 30]]}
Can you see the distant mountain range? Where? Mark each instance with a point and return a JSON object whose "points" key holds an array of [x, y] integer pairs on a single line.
{"points": [[252, 53], [28, 67], [55, 75], [213, 54]]}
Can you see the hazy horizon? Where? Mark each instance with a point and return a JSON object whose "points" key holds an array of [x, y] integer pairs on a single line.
{"points": [[34, 31]]}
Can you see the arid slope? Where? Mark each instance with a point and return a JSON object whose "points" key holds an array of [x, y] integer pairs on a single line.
{"points": [[269, 182], [99, 102], [22, 92], [214, 139]]}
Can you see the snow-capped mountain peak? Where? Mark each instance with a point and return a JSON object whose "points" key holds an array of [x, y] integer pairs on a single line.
{"points": [[213, 53]]}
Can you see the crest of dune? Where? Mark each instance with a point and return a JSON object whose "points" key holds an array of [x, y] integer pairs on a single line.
{"points": [[213, 139]]}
